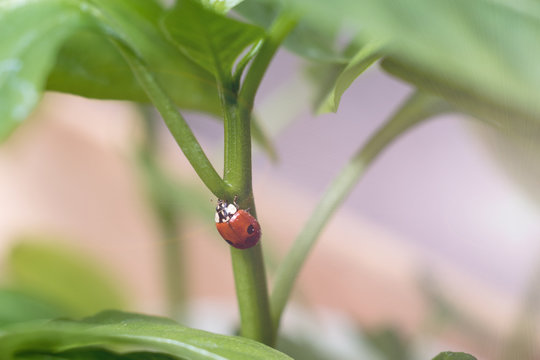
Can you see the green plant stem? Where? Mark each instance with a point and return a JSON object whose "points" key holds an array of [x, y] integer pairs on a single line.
{"points": [[283, 25], [248, 264], [252, 294], [417, 108], [176, 123]]}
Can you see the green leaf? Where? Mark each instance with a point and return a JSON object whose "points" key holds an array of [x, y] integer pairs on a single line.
{"points": [[103, 73], [31, 32], [220, 6], [448, 355], [92, 353], [366, 56], [208, 38], [125, 332], [301, 349], [389, 343], [19, 307], [473, 53], [307, 40], [62, 276], [100, 73], [35, 33]]}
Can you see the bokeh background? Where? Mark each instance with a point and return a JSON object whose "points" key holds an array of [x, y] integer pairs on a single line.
{"points": [[439, 243]]}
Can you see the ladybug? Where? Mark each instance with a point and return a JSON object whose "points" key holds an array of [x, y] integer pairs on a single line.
{"points": [[238, 227]]}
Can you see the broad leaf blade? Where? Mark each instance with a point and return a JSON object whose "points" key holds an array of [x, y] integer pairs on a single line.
{"points": [[92, 353], [210, 39], [482, 50], [308, 40], [34, 32], [19, 307], [449, 355], [115, 330], [100, 73], [31, 32], [89, 64], [389, 342], [62, 276], [221, 6]]}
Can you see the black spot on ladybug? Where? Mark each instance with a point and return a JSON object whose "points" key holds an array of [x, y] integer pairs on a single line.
{"points": [[228, 242], [250, 229]]}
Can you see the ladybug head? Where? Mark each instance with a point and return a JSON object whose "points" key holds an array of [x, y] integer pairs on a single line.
{"points": [[224, 211]]}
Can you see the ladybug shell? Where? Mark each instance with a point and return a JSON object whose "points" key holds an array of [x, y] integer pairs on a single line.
{"points": [[242, 231]]}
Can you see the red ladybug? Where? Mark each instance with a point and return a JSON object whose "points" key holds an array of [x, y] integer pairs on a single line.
{"points": [[238, 227]]}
